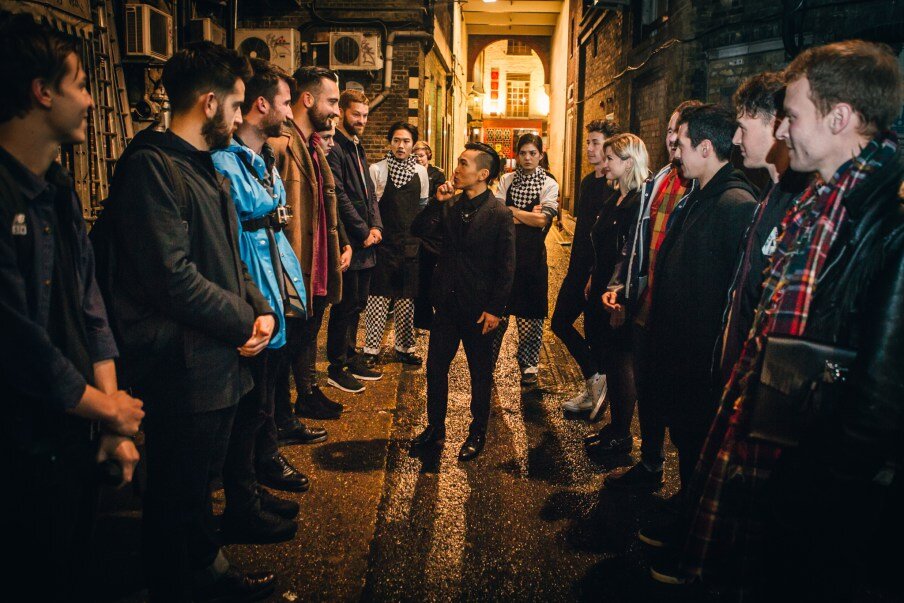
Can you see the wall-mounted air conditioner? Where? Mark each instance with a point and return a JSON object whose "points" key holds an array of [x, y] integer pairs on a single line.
{"points": [[281, 47], [149, 32], [355, 51], [207, 29]]}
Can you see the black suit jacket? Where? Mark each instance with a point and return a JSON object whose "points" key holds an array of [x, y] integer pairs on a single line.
{"points": [[357, 204], [182, 298], [474, 273]]}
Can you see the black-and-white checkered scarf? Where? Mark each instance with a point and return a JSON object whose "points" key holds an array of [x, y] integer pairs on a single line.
{"points": [[401, 171], [527, 187]]}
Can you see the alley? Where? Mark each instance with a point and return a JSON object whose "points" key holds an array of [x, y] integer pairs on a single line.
{"points": [[526, 521]]}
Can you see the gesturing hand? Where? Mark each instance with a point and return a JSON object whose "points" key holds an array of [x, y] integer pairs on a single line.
{"points": [[489, 321], [445, 191], [260, 336]]}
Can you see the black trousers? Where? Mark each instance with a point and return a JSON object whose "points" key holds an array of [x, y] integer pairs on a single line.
{"points": [[47, 516], [423, 306], [298, 358], [689, 441], [342, 329], [570, 304], [449, 329], [183, 453], [652, 422], [618, 364], [254, 412]]}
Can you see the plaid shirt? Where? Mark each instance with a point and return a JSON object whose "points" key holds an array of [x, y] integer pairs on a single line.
{"points": [[667, 197], [726, 524]]}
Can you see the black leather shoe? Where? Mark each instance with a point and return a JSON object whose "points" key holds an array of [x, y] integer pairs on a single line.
{"points": [[261, 527], [409, 358], [278, 506], [430, 436], [472, 446], [236, 587], [316, 405], [299, 433], [278, 473]]}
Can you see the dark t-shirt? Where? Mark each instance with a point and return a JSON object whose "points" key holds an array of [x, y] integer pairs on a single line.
{"points": [[593, 192]]}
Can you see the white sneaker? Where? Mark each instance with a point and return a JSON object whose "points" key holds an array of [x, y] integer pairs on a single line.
{"points": [[580, 403], [597, 386]]}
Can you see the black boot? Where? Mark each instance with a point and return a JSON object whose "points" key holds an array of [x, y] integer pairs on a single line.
{"points": [[297, 432], [257, 527], [234, 586]]}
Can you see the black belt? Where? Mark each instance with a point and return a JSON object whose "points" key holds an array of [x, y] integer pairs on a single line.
{"points": [[275, 221]]}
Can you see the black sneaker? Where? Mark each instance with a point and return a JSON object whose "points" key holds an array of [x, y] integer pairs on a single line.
{"points": [[668, 571], [661, 536], [361, 371], [278, 506], [342, 379], [368, 361], [637, 477], [409, 358], [262, 527]]}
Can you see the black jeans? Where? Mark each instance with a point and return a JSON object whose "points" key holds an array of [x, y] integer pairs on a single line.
{"points": [[298, 357], [47, 516], [689, 441], [183, 454], [342, 330], [449, 328], [652, 422], [618, 364], [254, 412], [570, 303]]}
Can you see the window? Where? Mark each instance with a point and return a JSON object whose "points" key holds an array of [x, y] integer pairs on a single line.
{"points": [[653, 11], [517, 48], [518, 95]]}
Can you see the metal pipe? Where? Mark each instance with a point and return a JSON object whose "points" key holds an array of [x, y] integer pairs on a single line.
{"points": [[387, 61]]}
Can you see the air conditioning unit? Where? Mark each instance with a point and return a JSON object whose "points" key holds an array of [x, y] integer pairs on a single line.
{"points": [[149, 32], [282, 47], [208, 30], [355, 51]]}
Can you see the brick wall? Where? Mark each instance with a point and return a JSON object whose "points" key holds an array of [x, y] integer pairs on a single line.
{"points": [[702, 50]]}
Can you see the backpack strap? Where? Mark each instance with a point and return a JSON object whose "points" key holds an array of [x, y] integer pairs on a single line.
{"points": [[180, 188]]}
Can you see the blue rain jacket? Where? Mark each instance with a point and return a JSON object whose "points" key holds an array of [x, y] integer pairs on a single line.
{"points": [[253, 201]]}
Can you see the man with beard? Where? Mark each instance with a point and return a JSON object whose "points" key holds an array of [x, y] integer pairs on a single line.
{"points": [[402, 187], [252, 514], [186, 312], [360, 215], [316, 237]]}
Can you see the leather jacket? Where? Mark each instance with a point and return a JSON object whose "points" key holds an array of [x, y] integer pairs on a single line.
{"points": [[859, 303]]}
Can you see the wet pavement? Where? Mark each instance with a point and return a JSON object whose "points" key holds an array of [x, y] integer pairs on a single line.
{"points": [[528, 520]]}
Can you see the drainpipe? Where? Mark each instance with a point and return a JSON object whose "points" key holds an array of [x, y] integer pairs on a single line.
{"points": [[387, 61]]}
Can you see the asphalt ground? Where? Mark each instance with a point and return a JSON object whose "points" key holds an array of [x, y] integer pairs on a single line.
{"points": [[528, 520]]}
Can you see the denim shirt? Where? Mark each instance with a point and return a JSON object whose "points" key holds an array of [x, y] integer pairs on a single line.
{"points": [[252, 200], [34, 367]]}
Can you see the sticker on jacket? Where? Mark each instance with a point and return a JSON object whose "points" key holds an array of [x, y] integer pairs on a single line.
{"points": [[770, 244]]}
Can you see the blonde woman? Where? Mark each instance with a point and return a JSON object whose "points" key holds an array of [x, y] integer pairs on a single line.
{"points": [[627, 163]]}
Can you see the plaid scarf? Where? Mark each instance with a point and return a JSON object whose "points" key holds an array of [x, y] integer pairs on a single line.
{"points": [[726, 522], [526, 188], [401, 171]]}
